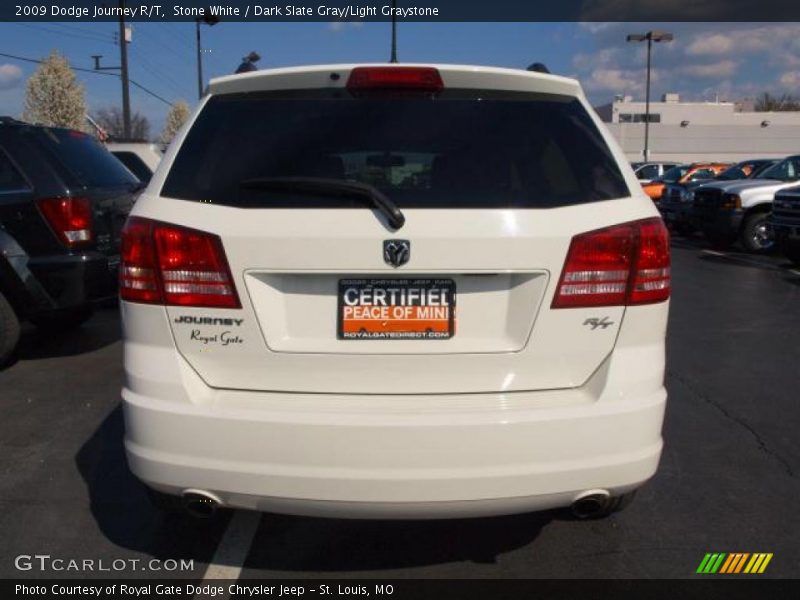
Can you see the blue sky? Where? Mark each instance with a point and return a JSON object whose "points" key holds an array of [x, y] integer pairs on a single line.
{"points": [[706, 60]]}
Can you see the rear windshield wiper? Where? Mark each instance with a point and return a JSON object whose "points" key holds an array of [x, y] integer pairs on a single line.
{"points": [[331, 187]]}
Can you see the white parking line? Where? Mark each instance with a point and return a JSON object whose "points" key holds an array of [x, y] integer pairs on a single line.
{"points": [[233, 547], [748, 260]]}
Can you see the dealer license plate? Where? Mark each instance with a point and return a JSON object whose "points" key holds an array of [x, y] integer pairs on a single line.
{"points": [[396, 309]]}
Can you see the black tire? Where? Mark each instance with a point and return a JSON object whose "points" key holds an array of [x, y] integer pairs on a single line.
{"points": [[63, 320], [9, 330], [756, 233], [791, 250]]}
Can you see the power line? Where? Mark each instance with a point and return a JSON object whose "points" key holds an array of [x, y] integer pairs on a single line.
{"points": [[174, 49], [154, 70], [80, 36], [138, 85]]}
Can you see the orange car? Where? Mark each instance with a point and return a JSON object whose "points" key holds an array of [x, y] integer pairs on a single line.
{"points": [[682, 174]]}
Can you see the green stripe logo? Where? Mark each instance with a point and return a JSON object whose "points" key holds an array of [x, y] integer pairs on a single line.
{"points": [[734, 563]]}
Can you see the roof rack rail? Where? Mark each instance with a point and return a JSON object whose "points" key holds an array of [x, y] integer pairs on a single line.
{"points": [[538, 67]]}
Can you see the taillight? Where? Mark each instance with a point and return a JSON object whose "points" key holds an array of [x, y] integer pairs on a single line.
{"points": [[395, 78], [650, 279], [621, 265], [174, 265], [70, 219]]}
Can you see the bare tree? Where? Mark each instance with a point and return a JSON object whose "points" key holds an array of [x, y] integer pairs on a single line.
{"points": [[54, 97], [177, 116], [111, 120], [767, 103]]}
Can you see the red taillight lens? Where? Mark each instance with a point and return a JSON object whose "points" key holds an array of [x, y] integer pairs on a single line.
{"points": [[650, 281], [620, 265], [138, 272], [70, 219], [173, 265], [395, 78]]}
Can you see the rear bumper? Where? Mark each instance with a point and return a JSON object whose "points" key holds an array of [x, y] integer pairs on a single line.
{"points": [[394, 456], [48, 284], [347, 464]]}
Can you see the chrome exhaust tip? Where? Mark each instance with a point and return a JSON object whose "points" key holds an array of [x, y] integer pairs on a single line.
{"points": [[201, 505], [591, 504]]}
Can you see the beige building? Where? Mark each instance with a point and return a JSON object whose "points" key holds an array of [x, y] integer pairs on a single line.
{"points": [[699, 131]]}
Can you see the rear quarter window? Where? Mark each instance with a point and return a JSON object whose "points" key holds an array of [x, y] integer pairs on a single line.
{"points": [[461, 149]]}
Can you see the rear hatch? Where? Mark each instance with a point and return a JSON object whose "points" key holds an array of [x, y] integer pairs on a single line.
{"points": [[494, 173]]}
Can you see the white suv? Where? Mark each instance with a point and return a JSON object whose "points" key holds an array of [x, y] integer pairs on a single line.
{"points": [[395, 291]]}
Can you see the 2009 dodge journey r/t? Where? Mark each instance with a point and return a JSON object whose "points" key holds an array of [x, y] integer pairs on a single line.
{"points": [[394, 291]]}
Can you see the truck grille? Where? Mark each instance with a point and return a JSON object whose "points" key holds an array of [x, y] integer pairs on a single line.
{"points": [[786, 209], [707, 198]]}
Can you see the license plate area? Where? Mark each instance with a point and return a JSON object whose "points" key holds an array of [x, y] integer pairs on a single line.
{"points": [[396, 309]]}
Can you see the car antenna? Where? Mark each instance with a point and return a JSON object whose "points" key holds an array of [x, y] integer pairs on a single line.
{"points": [[393, 58]]}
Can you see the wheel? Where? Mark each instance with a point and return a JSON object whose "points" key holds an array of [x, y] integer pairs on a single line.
{"points": [[756, 233], [63, 320], [9, 330], [595, 507], [791, 250]]}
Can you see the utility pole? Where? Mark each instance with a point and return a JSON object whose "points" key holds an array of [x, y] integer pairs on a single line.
{"points": [[123, 55], [199, 60], [649, 37], [393, 58], [209, 20]]}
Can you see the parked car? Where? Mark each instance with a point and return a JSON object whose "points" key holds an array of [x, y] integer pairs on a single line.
{"points": [[648, 171], [725, 212], [63, 202], [683, 174], [676, 202], [785, 221], [288, 290], [141, 159]]}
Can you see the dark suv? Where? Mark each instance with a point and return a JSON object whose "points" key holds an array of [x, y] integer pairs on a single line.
{"points": [[785, 222], [63, 201]]}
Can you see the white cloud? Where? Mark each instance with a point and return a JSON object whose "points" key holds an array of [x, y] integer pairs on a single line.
{"points": [[714, 44], [10, 76], [718, 70], [791, 80], [616, 81]]}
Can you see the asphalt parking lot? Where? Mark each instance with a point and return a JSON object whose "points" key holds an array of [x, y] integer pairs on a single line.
{"points": [[729, 478]]}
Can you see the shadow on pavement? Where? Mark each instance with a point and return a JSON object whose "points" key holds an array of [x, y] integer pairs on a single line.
{"points": [[297, 544], [101, 330], [120, 506]]}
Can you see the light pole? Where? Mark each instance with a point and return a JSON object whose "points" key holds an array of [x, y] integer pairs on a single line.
{"points": [[209, 20], [650, 37]]}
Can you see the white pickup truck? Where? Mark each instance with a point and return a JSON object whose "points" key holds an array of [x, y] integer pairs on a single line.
{"points": [[727, 211]]}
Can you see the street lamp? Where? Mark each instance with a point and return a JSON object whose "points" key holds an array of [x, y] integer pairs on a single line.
{"points": [[650, 36], [209, 20]]}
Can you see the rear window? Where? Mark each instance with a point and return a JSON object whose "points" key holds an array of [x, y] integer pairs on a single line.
{"points": [[135, 164], [460, 149], [83, 157]]}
